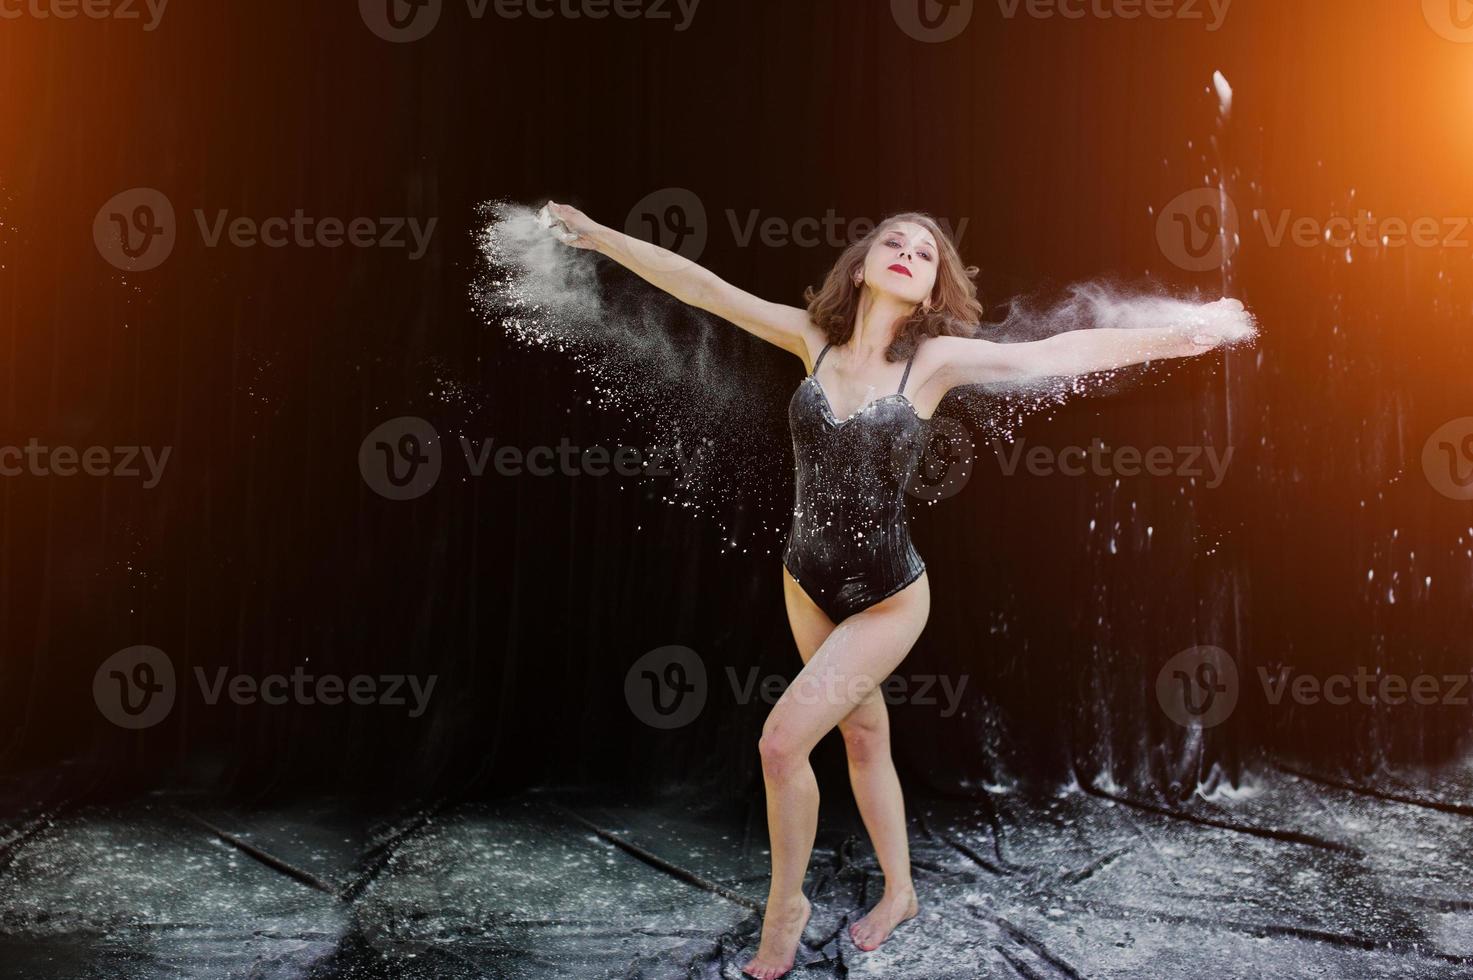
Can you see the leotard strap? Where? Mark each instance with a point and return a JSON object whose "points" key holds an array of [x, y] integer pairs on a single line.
{"points": [[904, 377], [820, 358]]}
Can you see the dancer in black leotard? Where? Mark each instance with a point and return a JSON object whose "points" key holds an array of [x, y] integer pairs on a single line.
{"points": [[849, 546], [857, 594]]}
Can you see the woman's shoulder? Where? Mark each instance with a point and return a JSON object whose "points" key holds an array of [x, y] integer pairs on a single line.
{"points": [[946, 347], [815, 341]]}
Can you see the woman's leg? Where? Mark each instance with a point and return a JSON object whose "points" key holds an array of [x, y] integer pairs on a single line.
{"points": [[872, 776], [848, 666], [877, 791]]}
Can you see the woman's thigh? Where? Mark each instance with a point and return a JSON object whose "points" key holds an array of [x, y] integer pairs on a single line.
{"points": [[810, 624], [848, 664]]}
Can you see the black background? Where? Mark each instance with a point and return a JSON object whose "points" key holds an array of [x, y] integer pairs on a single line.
{"points": [[263, 369]]}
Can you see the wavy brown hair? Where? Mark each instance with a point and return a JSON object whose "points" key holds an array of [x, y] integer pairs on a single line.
{"points": [[956, 309]]}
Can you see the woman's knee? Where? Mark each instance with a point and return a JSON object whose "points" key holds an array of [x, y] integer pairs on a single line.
{"points": [[780, 752], [866, 739]]}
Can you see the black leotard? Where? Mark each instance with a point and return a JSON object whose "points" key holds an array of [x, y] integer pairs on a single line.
{"points": [[849, 546]]}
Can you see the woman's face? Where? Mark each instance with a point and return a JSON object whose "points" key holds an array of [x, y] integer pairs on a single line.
{"points": [[903, 262]]}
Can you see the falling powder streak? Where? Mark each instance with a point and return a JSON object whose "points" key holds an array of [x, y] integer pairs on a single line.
{"points": [[663, 366]]}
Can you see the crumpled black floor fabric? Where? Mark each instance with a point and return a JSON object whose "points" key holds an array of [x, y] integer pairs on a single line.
{"points": [[1297, 874]]}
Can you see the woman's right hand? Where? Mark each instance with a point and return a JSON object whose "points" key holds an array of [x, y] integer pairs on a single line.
{"points": [[580, 224]]}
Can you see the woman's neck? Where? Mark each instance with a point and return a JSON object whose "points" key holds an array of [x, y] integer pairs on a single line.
{"points": [[875, 322]]}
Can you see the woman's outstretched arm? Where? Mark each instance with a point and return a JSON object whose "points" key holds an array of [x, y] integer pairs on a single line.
{"points": [[784, 326], [965, 360]]}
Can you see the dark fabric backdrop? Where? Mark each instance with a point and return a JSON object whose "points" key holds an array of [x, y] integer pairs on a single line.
{"points": [[263, 549]]}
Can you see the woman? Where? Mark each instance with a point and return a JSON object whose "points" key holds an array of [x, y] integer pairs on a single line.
{"points": [[857, 593]]}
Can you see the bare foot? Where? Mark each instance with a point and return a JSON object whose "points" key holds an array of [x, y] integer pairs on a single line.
{"points": [[782, 927], [876, 927]]}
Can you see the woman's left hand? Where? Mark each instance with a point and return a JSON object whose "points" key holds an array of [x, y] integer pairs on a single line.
{"points": [[1223, 322]]}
